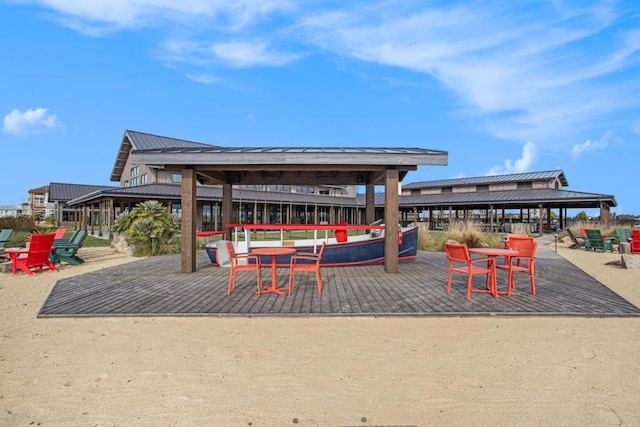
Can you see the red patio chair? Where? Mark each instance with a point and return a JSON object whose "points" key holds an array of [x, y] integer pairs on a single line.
{"points": [[242, 262], [37, 256], [523, 262], [460, 262], [309, 262]]}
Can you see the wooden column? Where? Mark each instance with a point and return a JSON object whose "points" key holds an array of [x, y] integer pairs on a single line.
{"points": [[391, 221], [370, 203], [227, 207], [188, 226]]}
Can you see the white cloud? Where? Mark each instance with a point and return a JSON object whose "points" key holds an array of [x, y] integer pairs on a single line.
{"points": [[96, 17], [30, 122], [249, 54], [204, 78], [536, 75], [523, 164], [588, 145], [251, 117]]}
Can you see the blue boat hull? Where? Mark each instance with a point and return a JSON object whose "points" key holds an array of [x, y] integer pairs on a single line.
{"points": [[347, 254]]}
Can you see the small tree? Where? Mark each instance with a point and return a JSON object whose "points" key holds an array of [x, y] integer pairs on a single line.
{"points": [[150, 229], [582, 216]]}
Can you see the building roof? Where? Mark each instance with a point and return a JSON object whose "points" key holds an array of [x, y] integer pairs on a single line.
{"points": [[491, 179], [212, 193], [509, 199], [133, 140], [64, 192]]}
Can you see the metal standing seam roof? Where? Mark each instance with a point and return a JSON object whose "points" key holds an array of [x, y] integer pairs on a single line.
{"points": [[528, 196], [214, 193], [491, 179], [133, 140], [63, 192], [481, 198]]}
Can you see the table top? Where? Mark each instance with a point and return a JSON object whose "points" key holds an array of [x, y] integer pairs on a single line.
{"points": [[209, 233], [273, 251], [493, 251]]}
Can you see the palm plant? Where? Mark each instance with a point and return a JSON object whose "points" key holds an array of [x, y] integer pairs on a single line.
{"points": [[150, 229]]}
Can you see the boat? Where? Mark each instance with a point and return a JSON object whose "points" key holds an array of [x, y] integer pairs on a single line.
{"points": [[340, 250]]}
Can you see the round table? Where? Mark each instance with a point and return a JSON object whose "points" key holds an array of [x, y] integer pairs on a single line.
{"points": [[273, 253], [493, 253]]}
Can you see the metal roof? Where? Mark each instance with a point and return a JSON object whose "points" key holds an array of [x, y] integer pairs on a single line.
{"points": [[63, 192], [491, 179], [212, 193], [509, 198], [146, 141]]}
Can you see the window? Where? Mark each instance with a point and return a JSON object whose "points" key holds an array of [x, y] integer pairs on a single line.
{"points": [[482, 188], [176, 177], [126, 183], [143, 179], [525, 185], [280, 188], [446, 190], [323, 190], [415, 191], [134, 181], [135, 171]]}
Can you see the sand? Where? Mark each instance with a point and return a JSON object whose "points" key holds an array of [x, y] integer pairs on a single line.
{"points": [[213, 371]]}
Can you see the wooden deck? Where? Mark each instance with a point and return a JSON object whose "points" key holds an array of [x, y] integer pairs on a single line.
{"points": [[156, 287]]}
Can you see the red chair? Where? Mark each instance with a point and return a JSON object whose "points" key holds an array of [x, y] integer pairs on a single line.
{"points": [[635, 242], [308, 262], [37, 256], [524, 262], [242, 262], [460, 262], [59, 234]]}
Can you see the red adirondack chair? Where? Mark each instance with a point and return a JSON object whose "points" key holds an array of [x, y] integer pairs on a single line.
{"points": [[635, 242], [37, 255]]}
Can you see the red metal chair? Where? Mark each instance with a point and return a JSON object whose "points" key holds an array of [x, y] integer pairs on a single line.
{"points": [[635, 242], [460, 262], [37, 256], [242, 262], [524, 262], [308, 262]]}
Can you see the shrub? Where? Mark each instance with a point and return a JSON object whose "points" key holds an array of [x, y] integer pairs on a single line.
{"points": [[150, 229]]}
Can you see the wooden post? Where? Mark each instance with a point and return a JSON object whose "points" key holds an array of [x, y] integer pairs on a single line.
{"points": [[391, 248], [370, 203], [227, 207], [188, 227]]}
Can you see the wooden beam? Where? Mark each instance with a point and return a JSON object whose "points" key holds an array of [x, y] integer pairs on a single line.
{"points": [[188, 238], [391, 248]]}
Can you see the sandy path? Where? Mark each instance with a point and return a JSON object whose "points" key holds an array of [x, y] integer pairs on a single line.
{"points": [[320, 371]]}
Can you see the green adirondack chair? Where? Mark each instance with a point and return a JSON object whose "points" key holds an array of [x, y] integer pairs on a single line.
{"points": [[595, 241], [576, 241], [5, 235], [67, 251], [624, 234]]}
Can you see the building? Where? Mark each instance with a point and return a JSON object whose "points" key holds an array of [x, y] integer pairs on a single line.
{"points": [[536, 200]]}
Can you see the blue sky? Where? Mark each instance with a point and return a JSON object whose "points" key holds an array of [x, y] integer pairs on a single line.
{"points": [[502, 86]]}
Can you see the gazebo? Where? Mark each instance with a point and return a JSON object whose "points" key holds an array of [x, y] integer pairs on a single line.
{"points": [[229, 166]]}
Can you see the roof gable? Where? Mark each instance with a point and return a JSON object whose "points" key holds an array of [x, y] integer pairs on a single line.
{"points": [[133, 140]]}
